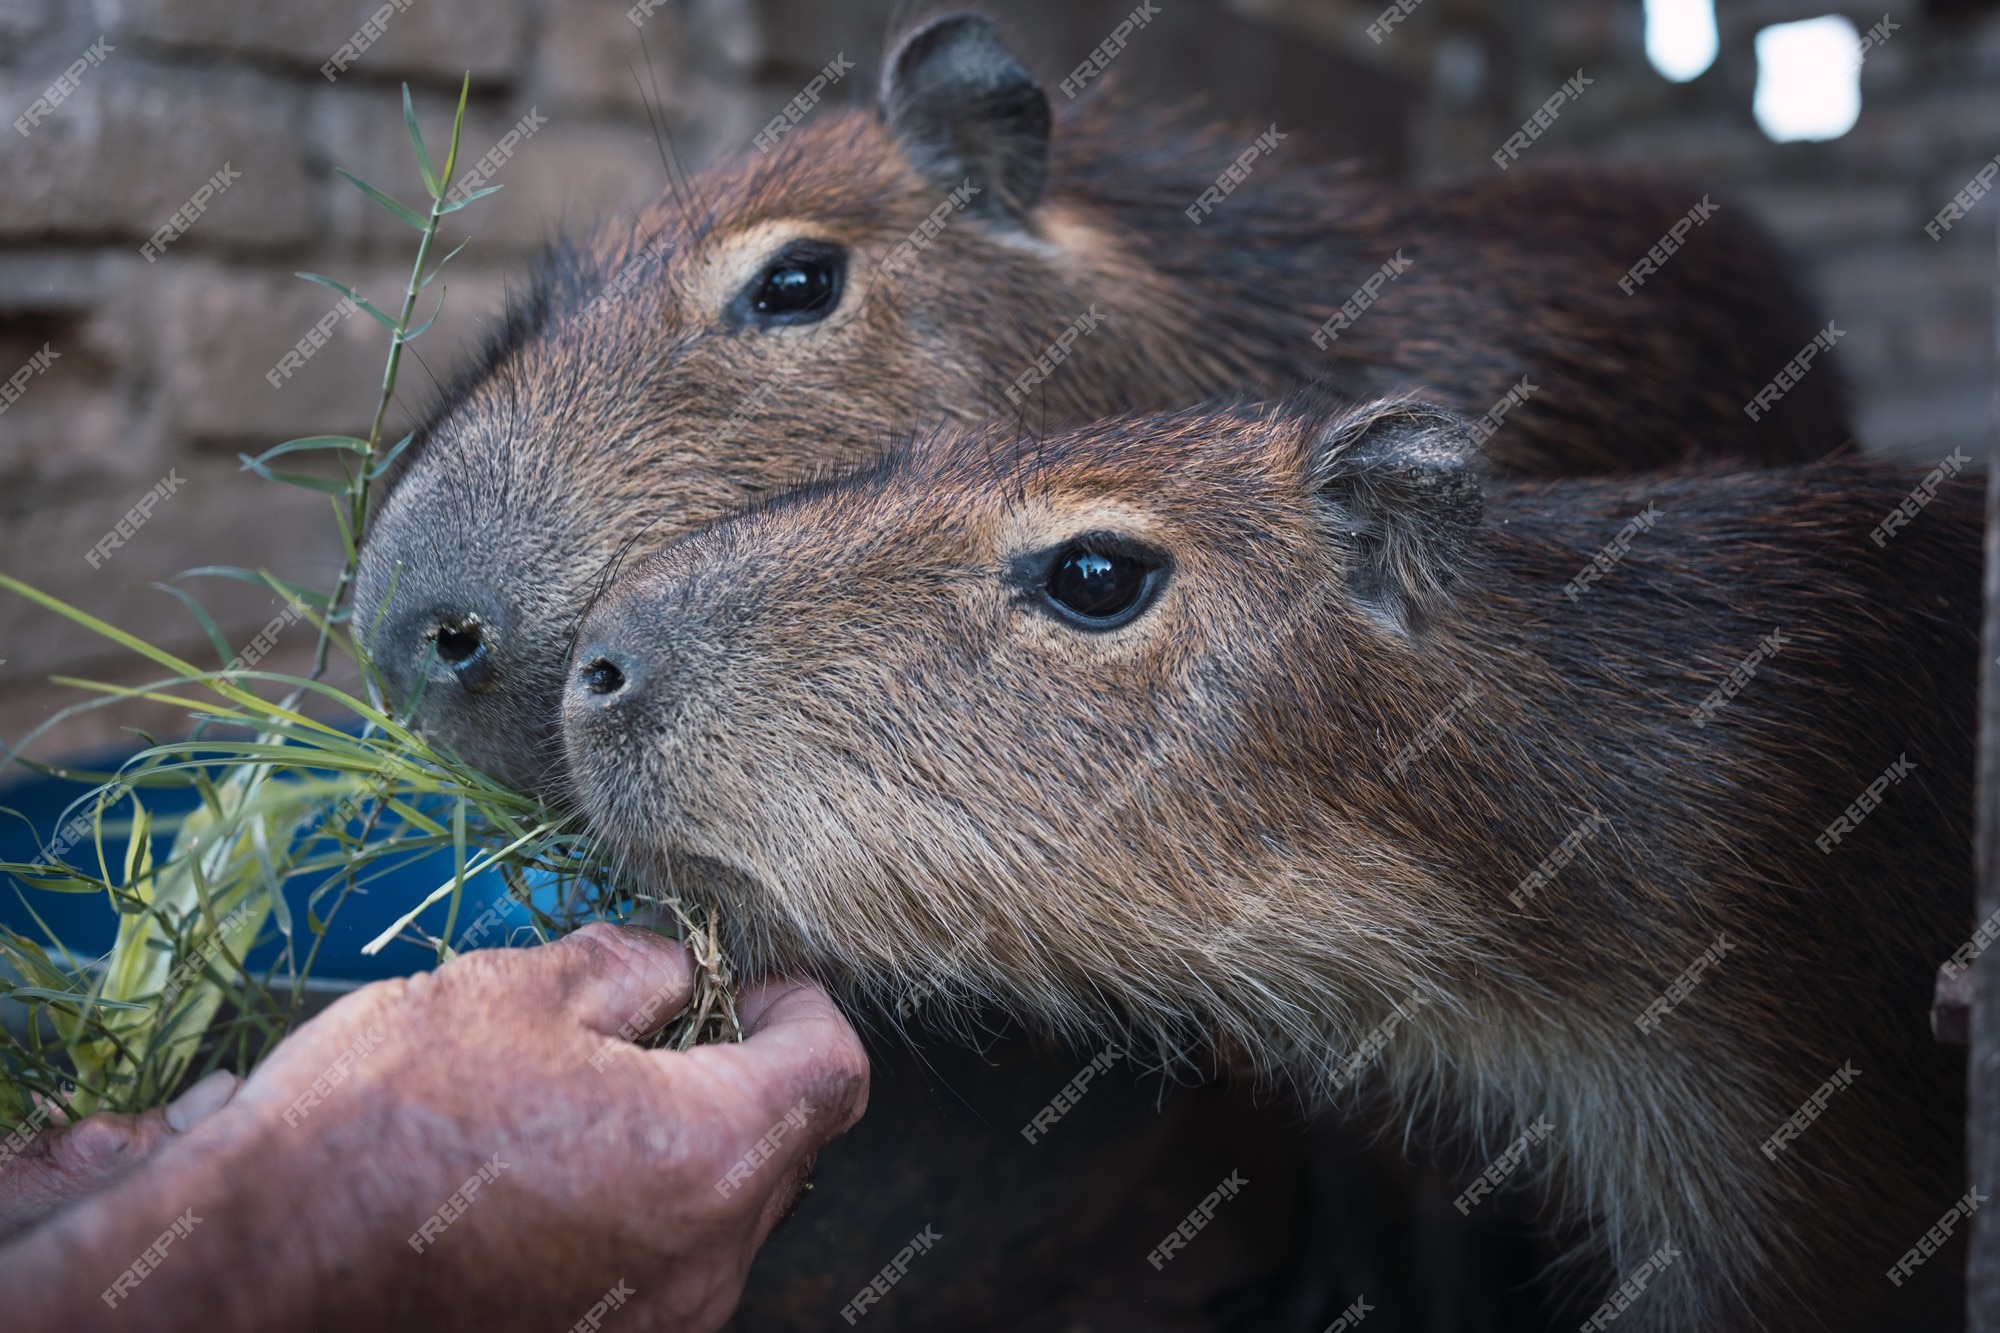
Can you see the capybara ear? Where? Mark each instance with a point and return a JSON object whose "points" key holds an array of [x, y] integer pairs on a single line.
{"points": [[964, 109], [1401, 497]]}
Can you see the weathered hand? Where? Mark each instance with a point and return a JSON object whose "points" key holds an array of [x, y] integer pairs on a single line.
{"points": [[479, 1146]]}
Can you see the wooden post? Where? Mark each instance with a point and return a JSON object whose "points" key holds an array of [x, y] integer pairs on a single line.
{"points": [[1982, 1131]]}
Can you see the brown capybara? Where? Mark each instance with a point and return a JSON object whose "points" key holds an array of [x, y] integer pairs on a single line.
{"points": [[1616, 824], [957, 251]]}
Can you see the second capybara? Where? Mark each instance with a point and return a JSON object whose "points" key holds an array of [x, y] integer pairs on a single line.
{"points": [[1623, 819], [958, 251]]}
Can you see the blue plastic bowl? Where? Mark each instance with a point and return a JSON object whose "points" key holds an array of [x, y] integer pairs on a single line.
{"points": [[87, 925]]}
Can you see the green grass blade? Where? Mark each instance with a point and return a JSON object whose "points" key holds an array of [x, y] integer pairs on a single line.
{"points": [[201, 615], [419, 330], [68, 997], [359, 300], [457, 127], [432, 275], [375, 945], [417, 142], [388, 201], [102, 628], [390, 455], [330, 485], [311, 442], [480, 193], [296, 592]]}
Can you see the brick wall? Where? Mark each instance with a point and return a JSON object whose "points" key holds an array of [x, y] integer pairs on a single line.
{"points": [[161, 366]]}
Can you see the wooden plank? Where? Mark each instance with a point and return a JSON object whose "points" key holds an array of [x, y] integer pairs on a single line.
{"points": [[1983, 1065]]}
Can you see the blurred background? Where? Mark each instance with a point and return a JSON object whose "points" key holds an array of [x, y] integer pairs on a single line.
{"points": [[169, 367]]}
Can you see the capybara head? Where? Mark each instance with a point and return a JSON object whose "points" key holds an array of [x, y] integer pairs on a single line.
{"points": [[948, 256], [970, 695], [773, 316]]}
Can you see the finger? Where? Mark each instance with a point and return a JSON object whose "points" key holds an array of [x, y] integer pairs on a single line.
{"points": [[755, 1006], [620, 981], [65, 1162], [201, 1101], [799, 1058]]}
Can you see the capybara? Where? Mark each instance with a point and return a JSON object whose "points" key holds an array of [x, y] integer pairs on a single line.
{"points": [[957, 251], [1625, 819]]}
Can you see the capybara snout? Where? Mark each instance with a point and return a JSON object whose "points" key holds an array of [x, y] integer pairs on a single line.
{"points": [[641, 663]]}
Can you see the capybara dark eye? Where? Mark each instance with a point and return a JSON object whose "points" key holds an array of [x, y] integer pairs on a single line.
{"points": [[794, 287], [1098, 585], [799, 285]]}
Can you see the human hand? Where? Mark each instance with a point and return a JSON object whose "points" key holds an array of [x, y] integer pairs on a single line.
{"points": [[478, 1146]]}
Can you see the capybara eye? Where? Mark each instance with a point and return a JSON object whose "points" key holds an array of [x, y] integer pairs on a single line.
{"points": [[799, 285], [792, 287], [1099, 585]]}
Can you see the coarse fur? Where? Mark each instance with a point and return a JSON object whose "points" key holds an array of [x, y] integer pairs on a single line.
{"points": [[853, 713], [628, 399]]}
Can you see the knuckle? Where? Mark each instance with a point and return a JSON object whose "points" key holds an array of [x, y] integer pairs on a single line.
{"points": [[94, 1144], [600, 949], [598, 931], [597, 947], [609, 948]]}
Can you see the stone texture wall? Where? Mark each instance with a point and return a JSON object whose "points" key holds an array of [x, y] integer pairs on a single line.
{"points": [[160, 365]]}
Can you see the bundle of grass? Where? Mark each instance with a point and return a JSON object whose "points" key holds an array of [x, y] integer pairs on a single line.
{"points": [[285, 796]]}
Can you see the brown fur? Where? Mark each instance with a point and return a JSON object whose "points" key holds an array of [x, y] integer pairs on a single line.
{"points": [[848, 713], [623, 406]]}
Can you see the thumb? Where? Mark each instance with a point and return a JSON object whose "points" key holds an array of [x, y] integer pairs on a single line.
{"points": [[804, 1065], [800, 1059]]}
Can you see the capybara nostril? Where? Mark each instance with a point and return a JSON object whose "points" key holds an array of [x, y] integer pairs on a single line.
{"points": [[601, 677], [459, 643], [463, 645], [433, 636], [608, 669]]}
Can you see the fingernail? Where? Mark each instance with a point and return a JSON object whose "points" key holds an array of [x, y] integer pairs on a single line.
{"points": [[201, 1101]]}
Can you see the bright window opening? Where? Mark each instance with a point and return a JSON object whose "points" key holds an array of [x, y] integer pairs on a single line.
{"points": [[1680, 37], [1808, 79]]}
